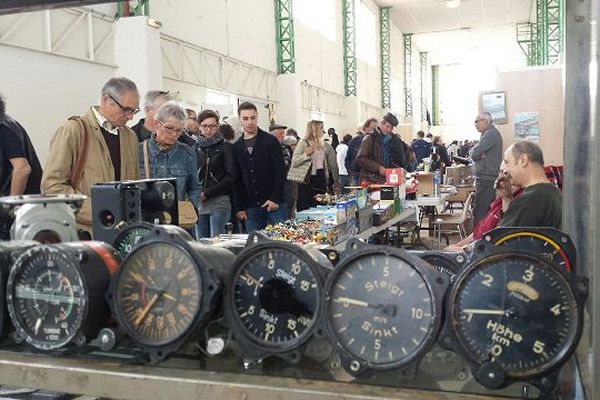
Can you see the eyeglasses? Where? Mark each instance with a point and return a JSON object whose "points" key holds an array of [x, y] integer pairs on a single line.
{"points": [[211, 126], [170, 129], [126, 110]]}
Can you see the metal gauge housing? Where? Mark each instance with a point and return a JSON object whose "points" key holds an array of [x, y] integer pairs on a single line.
{"points": [[166, 289], [129, 236], [550, 243], [273, 298], [383, 308], [9, 252], [448, 263], [514, 316], [55, 293]]}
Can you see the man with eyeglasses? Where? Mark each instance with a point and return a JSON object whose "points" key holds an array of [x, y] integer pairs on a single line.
{"points": [[486, 156], [99, 142], [152, 102]]}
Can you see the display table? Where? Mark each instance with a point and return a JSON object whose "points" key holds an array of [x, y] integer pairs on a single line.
{"points": [[430, 206]]}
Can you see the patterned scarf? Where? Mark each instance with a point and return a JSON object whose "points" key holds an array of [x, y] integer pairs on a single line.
{"points": [[206, 142]]}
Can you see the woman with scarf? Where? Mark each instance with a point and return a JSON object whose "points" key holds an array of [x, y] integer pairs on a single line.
{"points": [[163, 156], [323, 167], [216, 171]]}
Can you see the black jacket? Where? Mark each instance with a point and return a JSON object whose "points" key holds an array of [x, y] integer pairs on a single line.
{"points": [[262, 173], [353, 147], [398, 152], [216, 168]]}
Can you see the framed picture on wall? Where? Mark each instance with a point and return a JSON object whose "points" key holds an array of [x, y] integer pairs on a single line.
{"points": [[495, 104]]}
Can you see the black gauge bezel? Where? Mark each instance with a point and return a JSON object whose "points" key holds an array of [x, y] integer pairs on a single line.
{"points": [[491, 374], [210, 286], [13, 312], [558, 240], [453, 261], [436, 283], [249, 345], [125, 231]]}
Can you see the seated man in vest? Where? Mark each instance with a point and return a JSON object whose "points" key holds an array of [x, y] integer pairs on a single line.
{"points": [[111, 153]]}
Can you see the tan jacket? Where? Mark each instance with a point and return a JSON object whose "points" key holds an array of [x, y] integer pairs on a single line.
{"points": [[300, 158], [64, 152]]}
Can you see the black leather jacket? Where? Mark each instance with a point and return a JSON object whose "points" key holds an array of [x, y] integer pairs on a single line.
{"points": [[216, 168]]}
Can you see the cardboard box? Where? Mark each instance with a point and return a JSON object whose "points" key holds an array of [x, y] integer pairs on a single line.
{"points": [[425, 183], [388, 192], [365, 218], [346, 210], [362, 198], [394, 176]]}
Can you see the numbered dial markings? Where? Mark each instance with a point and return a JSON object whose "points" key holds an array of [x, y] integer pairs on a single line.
{"points": [[276, 297], [47, 298], [129, 238], [158, 294], [380, 309], [516, 311]]}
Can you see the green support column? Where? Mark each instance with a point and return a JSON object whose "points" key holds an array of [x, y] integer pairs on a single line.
{"points": [[349, 32], [542, 30], [284, 30], [528, 41], [384, 20], [435, 106], [423, 62], [554, 38], [408, 75], [128, 9]]}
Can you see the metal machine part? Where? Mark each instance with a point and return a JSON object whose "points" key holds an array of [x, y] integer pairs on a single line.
{"points": [[383, 308], [44, 218], [55, 293], [166, 289], [273, 298], [514, 316]]}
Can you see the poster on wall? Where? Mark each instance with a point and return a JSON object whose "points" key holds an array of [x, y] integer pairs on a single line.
{"points": [[495, 104], [527, 126]]}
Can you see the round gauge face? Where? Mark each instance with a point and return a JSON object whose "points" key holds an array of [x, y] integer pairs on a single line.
{"points": [[380, 309], [130, 237], [517, 311], [443, 263], [538, 243], [275, 298], [158, 293], [46, 297]]}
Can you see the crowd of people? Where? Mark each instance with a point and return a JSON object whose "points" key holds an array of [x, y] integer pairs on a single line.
{"points": [[243, 177]]}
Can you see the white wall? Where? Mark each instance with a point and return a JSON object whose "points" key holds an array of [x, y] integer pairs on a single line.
{"points": [[43, 90]]}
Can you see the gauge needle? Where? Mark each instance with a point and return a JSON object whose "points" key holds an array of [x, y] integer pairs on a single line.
{"points": [[146, 309], [252, 280], [38, 324], [169, 297], [486, 312], [348, 300]]}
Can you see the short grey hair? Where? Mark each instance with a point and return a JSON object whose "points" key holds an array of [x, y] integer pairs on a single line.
{"points": [[171, 109], [117, 87], [532, 150], [151, 97], [487, 116]]}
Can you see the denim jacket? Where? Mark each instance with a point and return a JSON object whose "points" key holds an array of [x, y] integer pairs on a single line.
{"points": [[178, 162]]}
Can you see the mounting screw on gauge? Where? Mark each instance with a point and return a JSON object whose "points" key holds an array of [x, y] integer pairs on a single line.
{"points": [[355, 366], [107, 339], [215, 346]]}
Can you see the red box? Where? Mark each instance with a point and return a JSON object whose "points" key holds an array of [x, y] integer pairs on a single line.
{"points": [[394, 176]]}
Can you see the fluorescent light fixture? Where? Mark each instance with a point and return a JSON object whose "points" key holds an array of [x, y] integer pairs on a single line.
{"points": [[452, 3]]}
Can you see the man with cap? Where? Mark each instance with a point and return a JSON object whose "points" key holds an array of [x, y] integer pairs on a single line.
{"points": [[375, 153], [278, 131]]}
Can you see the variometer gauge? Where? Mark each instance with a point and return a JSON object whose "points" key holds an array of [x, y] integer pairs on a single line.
{"points": [[273, 298], [166, 289], [550, 243], [55, 293], [514, 316], [448, 263], [129, 236], [383, 308]]}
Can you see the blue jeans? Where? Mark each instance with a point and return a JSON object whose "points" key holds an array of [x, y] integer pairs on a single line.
{"points": [[259, 218], [213, 224]]}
